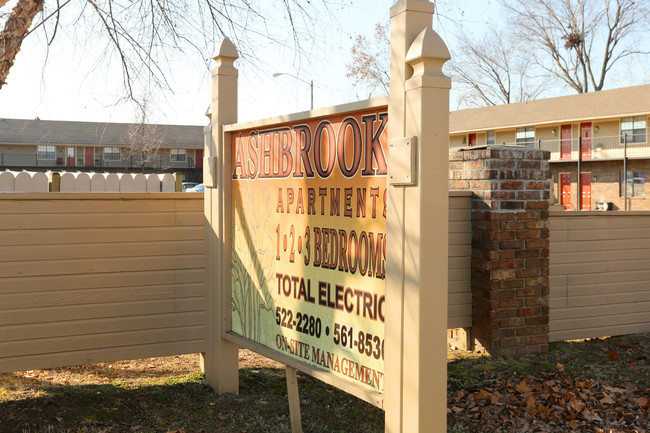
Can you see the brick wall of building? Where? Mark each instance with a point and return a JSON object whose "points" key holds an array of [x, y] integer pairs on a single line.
{"points": [[510, 243], [605, 182]]}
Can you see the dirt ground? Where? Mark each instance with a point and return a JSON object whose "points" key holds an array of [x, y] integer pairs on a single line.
{"points": [[596, 386]]}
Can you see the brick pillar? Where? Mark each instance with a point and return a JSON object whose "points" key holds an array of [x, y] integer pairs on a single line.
{"points": [[510, 230]]}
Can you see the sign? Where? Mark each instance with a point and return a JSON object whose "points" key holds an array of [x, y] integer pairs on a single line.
{"points": [[309, 241]]}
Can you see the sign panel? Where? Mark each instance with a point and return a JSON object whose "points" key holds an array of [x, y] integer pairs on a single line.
{"points": [[309, 241]]}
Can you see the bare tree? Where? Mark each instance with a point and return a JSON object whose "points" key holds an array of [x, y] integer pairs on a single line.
{"points": [[143, 139], [144, 37], [579, 41], [370, 65], [491, 72], [15, 29]]}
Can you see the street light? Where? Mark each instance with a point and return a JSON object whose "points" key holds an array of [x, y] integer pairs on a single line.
{"points": [[311, 84]]}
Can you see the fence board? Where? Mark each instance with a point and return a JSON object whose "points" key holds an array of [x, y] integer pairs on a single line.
{"points": [[459, 314], [102, 235], [94, 251], [599, 274], [102, 280], [100, 277]]}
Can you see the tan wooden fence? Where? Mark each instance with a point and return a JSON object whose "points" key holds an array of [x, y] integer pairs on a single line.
{"points": [[599, 274], [99, 277], [459, 312]]}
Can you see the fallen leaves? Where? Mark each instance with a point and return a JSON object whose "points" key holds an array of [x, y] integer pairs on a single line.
{"points": [[543, 404], [612, 355]]}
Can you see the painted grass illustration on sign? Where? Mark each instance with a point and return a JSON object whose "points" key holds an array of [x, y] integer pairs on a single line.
{"points": [[251, 297]]}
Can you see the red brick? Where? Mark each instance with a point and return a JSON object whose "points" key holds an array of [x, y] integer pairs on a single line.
{"points": [[529, 195], [506, 332], [485, 225], [537, 320], [531, 291], [504, 195], [539, 224], [511, 205], [537, 243], [537, 339], [537, 185], [504, 235], [500, 164], [528, 272], [528, 234], [503, 216], [511, 284], [541, 204], [512, 342], [511, 245], [537, 282], [511, 303], [530, 330], [530, 215], [529, 164], [527, 254], [504, 314], [501, 294], [511, 264], [513, 322], [530, 311], [512, 225], [536, 263], [512, 184], [503, 274]]}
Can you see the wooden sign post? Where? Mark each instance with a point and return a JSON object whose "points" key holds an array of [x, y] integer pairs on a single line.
{"points": [[326, 235]]}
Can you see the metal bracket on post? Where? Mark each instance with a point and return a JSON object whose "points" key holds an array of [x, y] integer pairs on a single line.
{"points": [[403, 170]]}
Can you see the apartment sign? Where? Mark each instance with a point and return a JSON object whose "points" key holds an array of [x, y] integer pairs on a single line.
{"points": [[309, 241]]}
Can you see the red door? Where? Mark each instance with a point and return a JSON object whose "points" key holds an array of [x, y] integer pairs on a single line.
{"points": [[585, 135], [565, 144], [472, 139], [198, 155], [70, 157], [585, 191], [565, 190], [90, 157]]}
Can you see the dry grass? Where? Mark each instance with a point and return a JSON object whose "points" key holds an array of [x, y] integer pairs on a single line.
{"points": [[168, 395]]}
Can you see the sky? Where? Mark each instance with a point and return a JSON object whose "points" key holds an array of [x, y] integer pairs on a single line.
{"points": [[66, 82]]}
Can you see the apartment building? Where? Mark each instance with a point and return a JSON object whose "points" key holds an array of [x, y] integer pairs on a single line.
{"points": [[598, 142], [42, 145]]}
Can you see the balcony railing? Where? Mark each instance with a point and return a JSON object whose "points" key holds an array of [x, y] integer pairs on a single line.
{"points": [[600, 147], [31, 160], [594, 148]]}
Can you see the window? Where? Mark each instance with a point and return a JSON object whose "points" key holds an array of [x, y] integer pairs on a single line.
{"points": [[526, 136], [112, 153], [635, 184], [46, 152], [489, 137], [633, 129], [178, 155]]}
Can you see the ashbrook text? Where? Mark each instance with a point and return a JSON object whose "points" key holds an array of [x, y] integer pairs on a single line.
{"points": [[299, 152]]}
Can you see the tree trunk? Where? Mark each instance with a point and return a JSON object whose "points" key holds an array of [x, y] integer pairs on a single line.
{"points": [[11, 37]]}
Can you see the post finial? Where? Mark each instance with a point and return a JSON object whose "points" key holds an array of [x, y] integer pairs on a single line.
{"points": [[428, 53], [225, 49]]}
